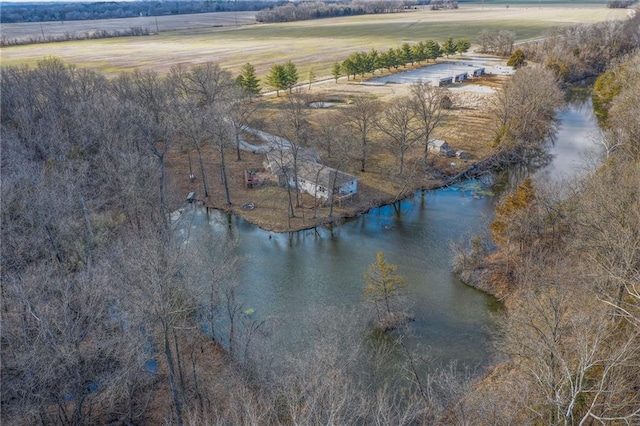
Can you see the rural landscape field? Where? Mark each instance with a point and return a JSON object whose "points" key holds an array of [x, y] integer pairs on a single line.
{"points": [[313, 44], [425, 217]]}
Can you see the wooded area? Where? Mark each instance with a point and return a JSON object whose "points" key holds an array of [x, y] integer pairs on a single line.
{"points": [[568, 269], [108, 318], [73, 11]]}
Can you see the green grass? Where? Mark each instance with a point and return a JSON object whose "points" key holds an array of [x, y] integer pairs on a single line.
{"points": [[308, 44]]}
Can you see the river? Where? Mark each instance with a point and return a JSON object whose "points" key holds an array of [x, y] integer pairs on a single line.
{"points": [[293, 279]]}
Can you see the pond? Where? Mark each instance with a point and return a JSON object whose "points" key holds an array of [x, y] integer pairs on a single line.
{"points": [[293, 278]]}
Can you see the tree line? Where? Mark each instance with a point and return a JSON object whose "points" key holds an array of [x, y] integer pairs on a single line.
{"points": [[361, 63], [74, 11], [582, 51], [89, 35], [95, 285], [284, 76], [316, 10]]}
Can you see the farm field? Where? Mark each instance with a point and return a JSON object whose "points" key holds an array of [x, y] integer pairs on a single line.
{"points": [[309, 44], [35, 30]]}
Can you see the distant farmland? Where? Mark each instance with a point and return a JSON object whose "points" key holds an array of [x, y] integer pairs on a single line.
{"points": [[38, 30], [313, 44]]}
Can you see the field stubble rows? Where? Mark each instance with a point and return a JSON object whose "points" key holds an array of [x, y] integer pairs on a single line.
{"points": [[310, 44]]}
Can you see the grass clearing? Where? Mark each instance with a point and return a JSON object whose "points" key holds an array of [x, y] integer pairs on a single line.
{"points": [[313, 44]]}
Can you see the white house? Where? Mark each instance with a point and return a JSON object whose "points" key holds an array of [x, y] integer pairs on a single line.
{"points": [[321, 181], [315, 179]]}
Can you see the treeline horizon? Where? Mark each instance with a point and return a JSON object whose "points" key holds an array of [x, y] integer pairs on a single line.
{"points": [[77, 11]]}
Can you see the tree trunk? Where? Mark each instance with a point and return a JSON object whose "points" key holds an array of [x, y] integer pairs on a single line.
{"points": [[202, 173], [171, 369], [237, 135], [223, 174]]}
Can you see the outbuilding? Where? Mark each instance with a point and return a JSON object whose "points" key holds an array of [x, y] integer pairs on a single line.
{"points": [[440, 147]]}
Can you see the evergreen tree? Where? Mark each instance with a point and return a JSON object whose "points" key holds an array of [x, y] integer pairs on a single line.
{"points": [[290, 75], [605, 90], [389, 59], [360, 60], [336, 71], [462, 45], [419, 51], [372, 61], [517, 59], [449, 47], [248, 81], [433, 50], [384, 286], [277, 78], [406, 57], [511, 213], [349, 67], [383, 60]]}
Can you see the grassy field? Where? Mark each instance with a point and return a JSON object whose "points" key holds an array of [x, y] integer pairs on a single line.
{"points": [[35, 30], [309, 44]]}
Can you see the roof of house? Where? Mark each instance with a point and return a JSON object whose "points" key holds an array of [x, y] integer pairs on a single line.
{"points": [[308, 167], [280, 159], [323, 175]]}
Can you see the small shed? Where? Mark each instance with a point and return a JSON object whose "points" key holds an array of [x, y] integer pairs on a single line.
{"points": [[477, 72], [459, 77], [440, 147], [463, 155], [442, 81]]}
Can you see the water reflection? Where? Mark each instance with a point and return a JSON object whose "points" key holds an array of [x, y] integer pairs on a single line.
{"points": [[572, 151], [291, 276], [296, 279]]}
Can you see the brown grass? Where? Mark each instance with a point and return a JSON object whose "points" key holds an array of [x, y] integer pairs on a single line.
{"points": [[309, 44], [467, 128]]}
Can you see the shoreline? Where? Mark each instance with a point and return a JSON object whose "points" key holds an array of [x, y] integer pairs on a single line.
{"points": [[492, 163], [328, 222]]}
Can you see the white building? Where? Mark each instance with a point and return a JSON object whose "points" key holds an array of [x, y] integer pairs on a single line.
{"points": [[314, 178], [321, 181]]}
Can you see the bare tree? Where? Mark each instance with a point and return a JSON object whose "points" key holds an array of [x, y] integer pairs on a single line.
{"points": [[575, 374], [161, 296], [427, 104], [498, 42], [399, 122], [211, 90], [146, 96], [190, 117], [296, 128], [333, 138], [526, 109], [240, 111], [328, 135], [624, 128], [360, 117], [221, 133]]}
